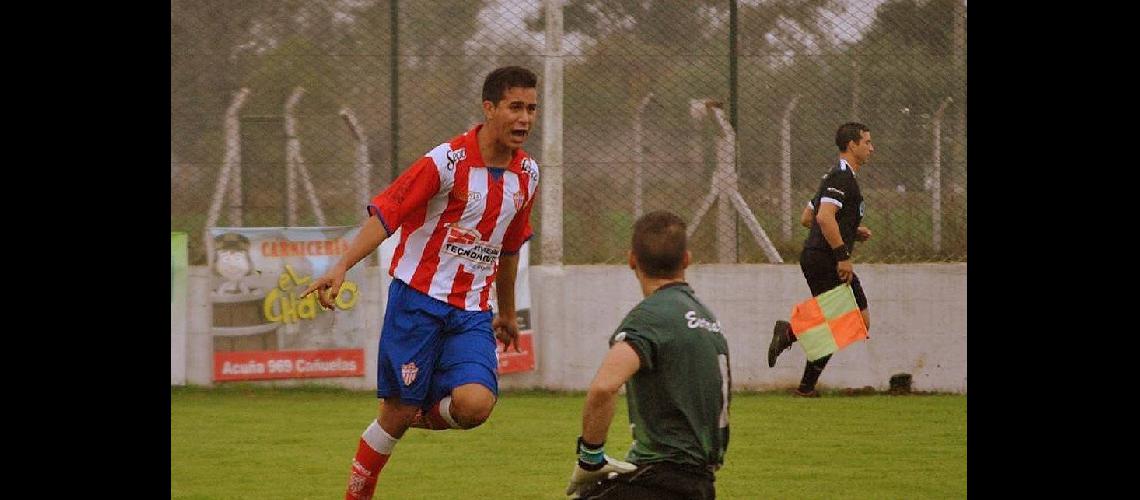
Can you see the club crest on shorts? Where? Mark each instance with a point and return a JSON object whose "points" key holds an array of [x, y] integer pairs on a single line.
{"points": [[409, 372]]}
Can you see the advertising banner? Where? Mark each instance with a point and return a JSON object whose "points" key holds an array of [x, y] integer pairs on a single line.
{"points": [[261, 328], [264, 365]]}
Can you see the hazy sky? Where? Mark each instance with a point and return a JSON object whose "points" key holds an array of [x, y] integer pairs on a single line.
{"points": [[499, 13]]}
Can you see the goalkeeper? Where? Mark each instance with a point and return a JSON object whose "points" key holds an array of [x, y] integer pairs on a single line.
{"points": [[672, 354]]}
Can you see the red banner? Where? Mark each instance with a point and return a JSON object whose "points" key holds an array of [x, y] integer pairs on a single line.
{"points": [[511, 361], [266, 365]]}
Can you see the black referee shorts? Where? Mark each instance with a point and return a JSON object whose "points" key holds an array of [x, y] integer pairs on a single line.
{"points": [[819, 271], [657, 481]]}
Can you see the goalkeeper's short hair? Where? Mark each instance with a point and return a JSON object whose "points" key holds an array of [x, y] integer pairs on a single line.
{"points": [[659, 243]]}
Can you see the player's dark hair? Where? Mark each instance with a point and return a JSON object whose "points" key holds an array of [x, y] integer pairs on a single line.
{"points": [[848, 132], [502, 79], [659, 244]]}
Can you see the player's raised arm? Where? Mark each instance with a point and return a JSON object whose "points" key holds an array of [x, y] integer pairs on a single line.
{"points": [[371, 235]]}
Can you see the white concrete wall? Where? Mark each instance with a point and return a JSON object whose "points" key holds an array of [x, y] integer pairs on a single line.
{"points": [[199, 344], [918, 325]]}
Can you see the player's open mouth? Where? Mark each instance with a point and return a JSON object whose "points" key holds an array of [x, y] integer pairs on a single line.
{"points": [[521, 134]]}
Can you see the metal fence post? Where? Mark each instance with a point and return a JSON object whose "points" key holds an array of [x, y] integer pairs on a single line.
{"points": [[552, 137], [936, 176], [786, 170]]}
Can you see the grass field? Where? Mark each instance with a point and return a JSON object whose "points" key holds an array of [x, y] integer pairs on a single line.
{"points": [[251, 442]]}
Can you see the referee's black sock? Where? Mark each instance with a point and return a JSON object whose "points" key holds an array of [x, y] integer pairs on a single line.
{"points": [[812, 371]]}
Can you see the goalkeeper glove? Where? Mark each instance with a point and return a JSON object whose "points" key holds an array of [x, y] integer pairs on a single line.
{"points": [[593, 465]]}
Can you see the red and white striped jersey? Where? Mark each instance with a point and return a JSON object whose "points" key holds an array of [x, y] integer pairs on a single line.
{"points": [[457, 217]]}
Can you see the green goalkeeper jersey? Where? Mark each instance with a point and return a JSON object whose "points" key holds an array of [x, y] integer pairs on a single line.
{"points": [[678, 399]]}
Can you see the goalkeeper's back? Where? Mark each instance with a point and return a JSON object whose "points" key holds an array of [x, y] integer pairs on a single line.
{"points": [[679, 398], [670, 354]]}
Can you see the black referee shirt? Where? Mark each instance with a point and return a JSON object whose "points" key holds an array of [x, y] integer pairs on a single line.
{"points": [[839, 188]]}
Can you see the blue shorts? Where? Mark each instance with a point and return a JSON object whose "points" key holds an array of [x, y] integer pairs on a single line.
{"points": [[429, 347]]}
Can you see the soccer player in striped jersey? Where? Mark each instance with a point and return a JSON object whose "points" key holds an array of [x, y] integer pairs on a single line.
{"points": [[463, 212]]}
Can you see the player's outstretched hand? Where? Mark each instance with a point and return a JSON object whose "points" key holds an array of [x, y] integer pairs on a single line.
{"points": [[330, 282], [583, 478]]}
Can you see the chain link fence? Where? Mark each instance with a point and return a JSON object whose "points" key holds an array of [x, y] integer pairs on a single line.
{"points": [[295, 113]]}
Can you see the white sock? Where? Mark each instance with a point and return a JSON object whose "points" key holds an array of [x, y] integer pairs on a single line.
{"points": [[445, 412], [379, 440]]}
